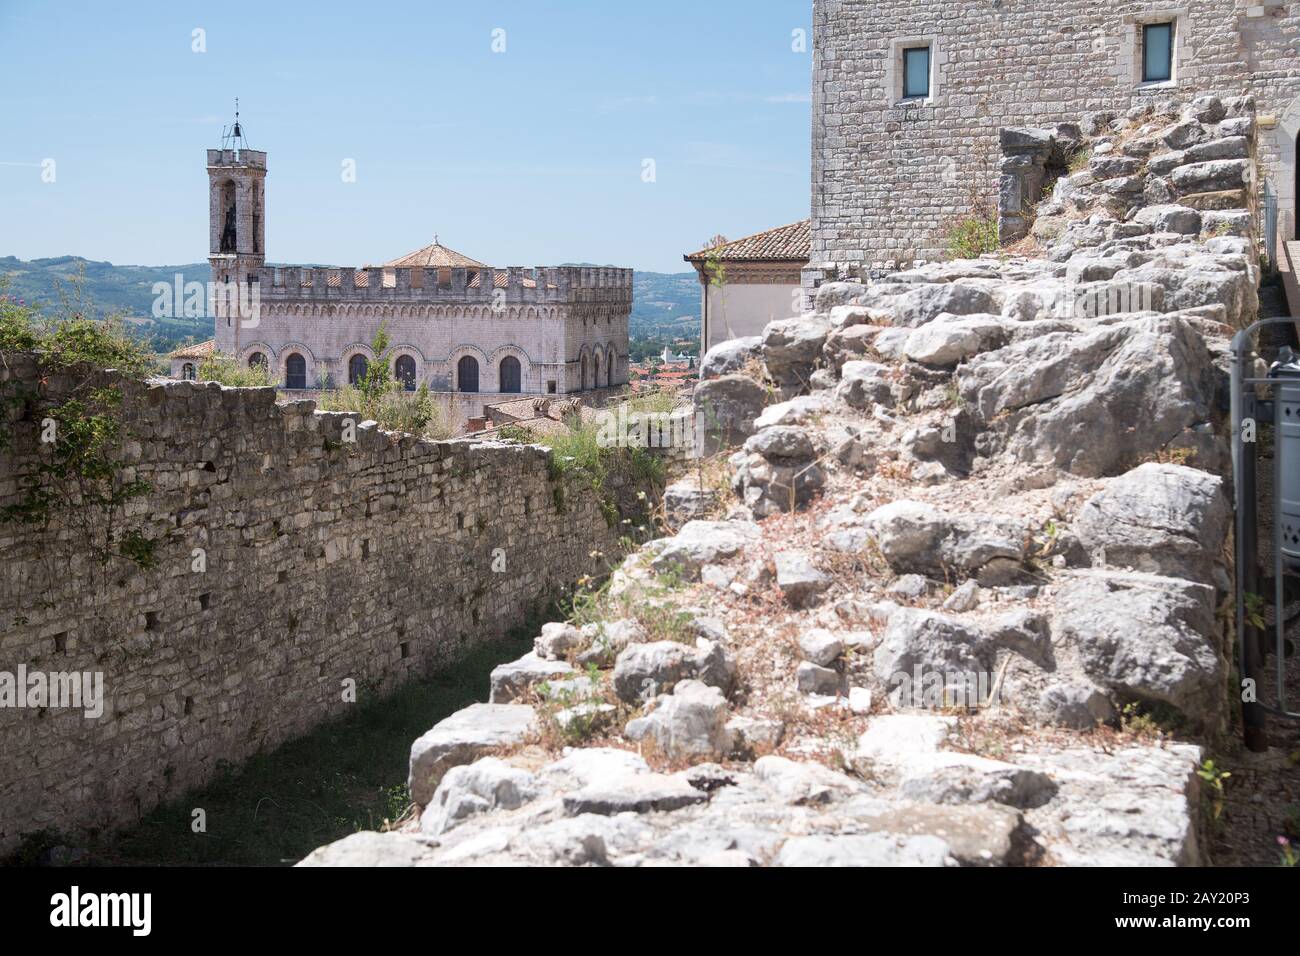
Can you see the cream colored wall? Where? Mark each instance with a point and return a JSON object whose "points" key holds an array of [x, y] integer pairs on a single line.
{"points": [[740, 309]]}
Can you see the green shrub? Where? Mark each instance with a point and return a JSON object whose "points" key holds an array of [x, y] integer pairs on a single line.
{"points": [[577, 453], [974, 235], [77, 479], [517, 433], [226, 369], [394, 408], [380, 397]]}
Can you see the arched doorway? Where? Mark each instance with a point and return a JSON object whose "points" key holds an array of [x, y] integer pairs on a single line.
{"points": [[404, 371], [511, 375], [187, 372], [467, 374], [295, 371], [257, 359], [582, 381], [358, 366], [609, 374]]}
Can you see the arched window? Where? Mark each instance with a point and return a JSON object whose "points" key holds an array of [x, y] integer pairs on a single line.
{"points": [[357, 368], [229, 238], [187, 372], [511, 377], [609, 363], [256, 359], [295, 371], [467, 374], [582, 382], [404, 370], [597, 363]]}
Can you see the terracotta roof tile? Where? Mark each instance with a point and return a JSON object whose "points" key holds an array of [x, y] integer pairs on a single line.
{"points": [[792, 242], [197, 350], [436, 255]]}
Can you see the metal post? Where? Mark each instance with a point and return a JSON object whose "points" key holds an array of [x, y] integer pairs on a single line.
{"points": [[1253, 717]]}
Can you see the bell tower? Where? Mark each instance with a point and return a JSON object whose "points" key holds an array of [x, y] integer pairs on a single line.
{"points": [[236, 233]]}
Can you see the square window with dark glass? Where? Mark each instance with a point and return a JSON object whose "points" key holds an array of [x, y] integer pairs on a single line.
{"points": [[916, 72], [1157, 52]]}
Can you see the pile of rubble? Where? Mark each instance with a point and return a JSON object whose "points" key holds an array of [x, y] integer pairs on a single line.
{"points": [[960, 602]]}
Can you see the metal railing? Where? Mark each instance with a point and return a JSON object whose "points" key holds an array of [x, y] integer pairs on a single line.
{"points": [[1270, 223], [1282, 412]]}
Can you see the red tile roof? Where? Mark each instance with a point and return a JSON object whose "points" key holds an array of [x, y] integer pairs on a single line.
{"points": [[436, 255], [792, 243], [196, 351]]}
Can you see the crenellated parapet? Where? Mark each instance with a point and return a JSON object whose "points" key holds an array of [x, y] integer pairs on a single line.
{"points": [[542, 285], [254, 158]]}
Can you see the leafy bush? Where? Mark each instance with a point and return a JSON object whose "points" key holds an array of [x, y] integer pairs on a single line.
{"points": [[226, 369], [516, 433], [974, 235], [578, 452], [76, 478], [378, 396], [394, 408]]}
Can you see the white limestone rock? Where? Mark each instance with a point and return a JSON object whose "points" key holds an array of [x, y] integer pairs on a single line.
{"points": [[509, 682], [705, 542], [690, 722], [1159, 518], [799, 579], [820, 646], [462, 738], [485, 785], [368, 849], [871, 849], [640, 793], [644, 671], [931, 642], [557, 641], [1146, 637], [730, 356]]}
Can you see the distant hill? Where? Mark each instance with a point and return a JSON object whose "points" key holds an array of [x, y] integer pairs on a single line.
{"points": [[665, 307], [108, 289]]}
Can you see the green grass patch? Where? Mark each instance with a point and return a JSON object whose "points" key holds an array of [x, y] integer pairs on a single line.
{"points": [[346, 776]]}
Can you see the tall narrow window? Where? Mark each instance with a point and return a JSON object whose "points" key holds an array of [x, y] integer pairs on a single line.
{"points": [[916, 72], [295, 371], [404, 369], [467, 374], [1157, 52], [510, 374]]}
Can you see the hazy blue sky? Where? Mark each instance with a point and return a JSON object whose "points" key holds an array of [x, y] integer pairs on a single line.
{"points": [[528, 157]]}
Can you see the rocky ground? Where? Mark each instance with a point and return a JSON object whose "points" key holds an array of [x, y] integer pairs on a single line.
{"points": [[952, 592]]}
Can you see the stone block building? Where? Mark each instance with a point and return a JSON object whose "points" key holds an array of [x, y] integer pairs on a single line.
{"points": [[909, 100], [458, 325]]}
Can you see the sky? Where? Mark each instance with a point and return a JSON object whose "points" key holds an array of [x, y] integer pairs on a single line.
{"points": [[611, 131]]}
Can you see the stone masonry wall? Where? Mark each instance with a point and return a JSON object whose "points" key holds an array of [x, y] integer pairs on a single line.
{"points": [[889, 176], [325, 561]]}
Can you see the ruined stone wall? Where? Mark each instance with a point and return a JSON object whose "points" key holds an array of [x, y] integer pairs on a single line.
{"points": [[288, 562], [890, 175]]}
